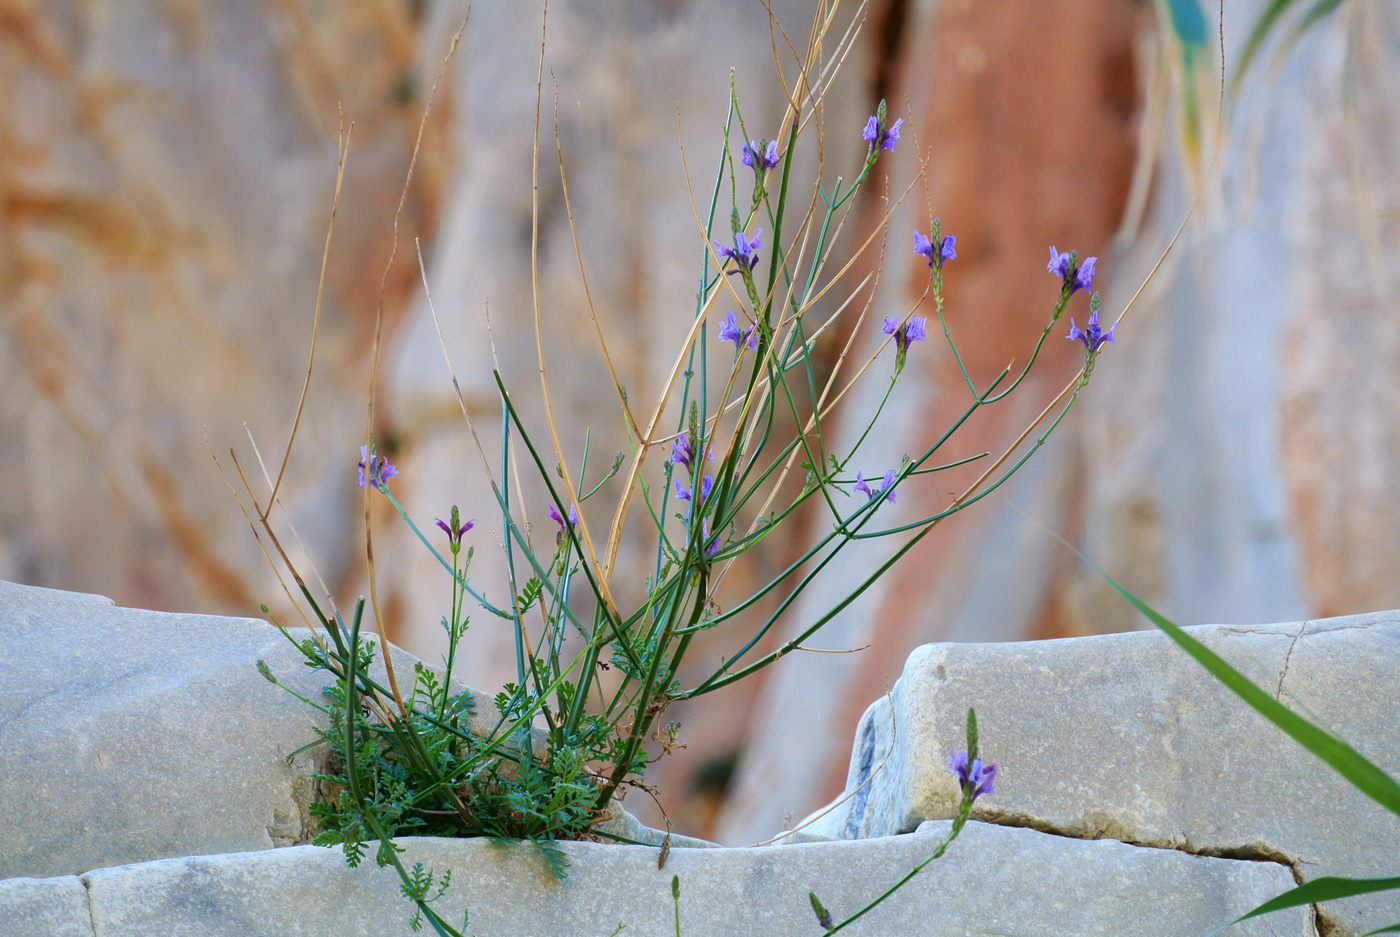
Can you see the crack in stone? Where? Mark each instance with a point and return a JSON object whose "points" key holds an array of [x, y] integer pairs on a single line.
{"points": [[87, 891], [1324, 924], [1287, 659]]}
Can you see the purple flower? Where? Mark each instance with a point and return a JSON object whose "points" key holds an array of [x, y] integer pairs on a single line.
{"points": [[1076, 277], [729, 332], [881, 141], [682, 452], [947, 248], [886, 487], [380, 469], [706, 483], [767, 156], [455, 528], [975, 778], [745, 251], [711, 543], [559, 518], [1093, 337], [915, 330]]}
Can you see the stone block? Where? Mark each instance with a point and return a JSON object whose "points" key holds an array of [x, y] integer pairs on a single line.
{"points": [[993, 880], [1126, 737], [44, 907], [132, 735]]}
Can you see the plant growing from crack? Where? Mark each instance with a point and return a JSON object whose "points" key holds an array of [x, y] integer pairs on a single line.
{"points": [[595, 673]]}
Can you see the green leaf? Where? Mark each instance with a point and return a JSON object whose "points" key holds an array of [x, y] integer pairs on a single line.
{"points": [[1328, 888], [1392, 929], [1345, 760]]}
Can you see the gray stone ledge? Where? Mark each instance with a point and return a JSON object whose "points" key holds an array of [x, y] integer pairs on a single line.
{"points": [[994, 880]]}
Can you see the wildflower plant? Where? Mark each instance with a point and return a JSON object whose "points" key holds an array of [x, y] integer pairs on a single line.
{"points": [[599, 660]]}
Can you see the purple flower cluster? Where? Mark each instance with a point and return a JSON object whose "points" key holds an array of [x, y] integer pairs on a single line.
{"points": [[729, 332], [706, 483], [745, 250], [683, 453], [878, 138], [914, 330], [975, 778], [455, 528], [1093, 337], [947, 248], [380, 470], [1076, 276], [886, 487], [759, 157]]}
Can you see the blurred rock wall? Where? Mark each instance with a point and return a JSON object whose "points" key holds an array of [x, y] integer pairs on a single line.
{"points": [[166, 173], [166, 181]]}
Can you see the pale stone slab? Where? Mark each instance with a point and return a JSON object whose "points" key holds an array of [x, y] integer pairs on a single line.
{"points": [[995, 880], [1127, 737], [44, 907], [130, 735]]}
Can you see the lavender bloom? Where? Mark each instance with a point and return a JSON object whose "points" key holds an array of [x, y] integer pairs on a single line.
{"points": [[681, 453], [767, 157], [881, 141], [706, 483], [886, 487], [1084, 277], [975, 778], [745, 251], [711, 543], [1077, 278], [455, 528], [1093, 337], [558, 518], [947, 249], [915, 330], [380, 469], [729, 332]]}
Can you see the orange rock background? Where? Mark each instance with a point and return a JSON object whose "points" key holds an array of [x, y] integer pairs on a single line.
{"points": [[166, 175]]}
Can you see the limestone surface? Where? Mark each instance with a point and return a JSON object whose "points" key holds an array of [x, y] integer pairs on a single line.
{"points": [[130, 735], [996, 880], [1126, 737], [44, 907]]}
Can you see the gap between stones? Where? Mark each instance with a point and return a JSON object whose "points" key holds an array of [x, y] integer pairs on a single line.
{"points": [[1324, 924], [87, 892]]}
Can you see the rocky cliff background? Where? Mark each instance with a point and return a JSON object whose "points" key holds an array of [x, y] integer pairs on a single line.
{"points": [[166, 177]]}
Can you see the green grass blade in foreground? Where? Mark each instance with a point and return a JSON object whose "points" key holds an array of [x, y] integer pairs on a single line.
{"points": [[1345, 760], [1392, 929], [1329, 888]]}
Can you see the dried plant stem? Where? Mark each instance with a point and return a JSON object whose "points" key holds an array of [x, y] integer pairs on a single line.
{"points": [[604, 584], [343, 152], [374, 369]]}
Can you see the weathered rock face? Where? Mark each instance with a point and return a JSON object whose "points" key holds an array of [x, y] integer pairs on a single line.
{"points": [[993, 880], [166, 180], [1126, 737], [130, 735]]}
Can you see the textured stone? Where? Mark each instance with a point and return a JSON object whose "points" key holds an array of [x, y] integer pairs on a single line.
{"points": [[131, 735], [993, 880], [1127, 737], [44, 907]]}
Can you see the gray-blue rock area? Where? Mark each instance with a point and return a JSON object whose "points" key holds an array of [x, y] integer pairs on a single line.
{"points": [[144, 790]]}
